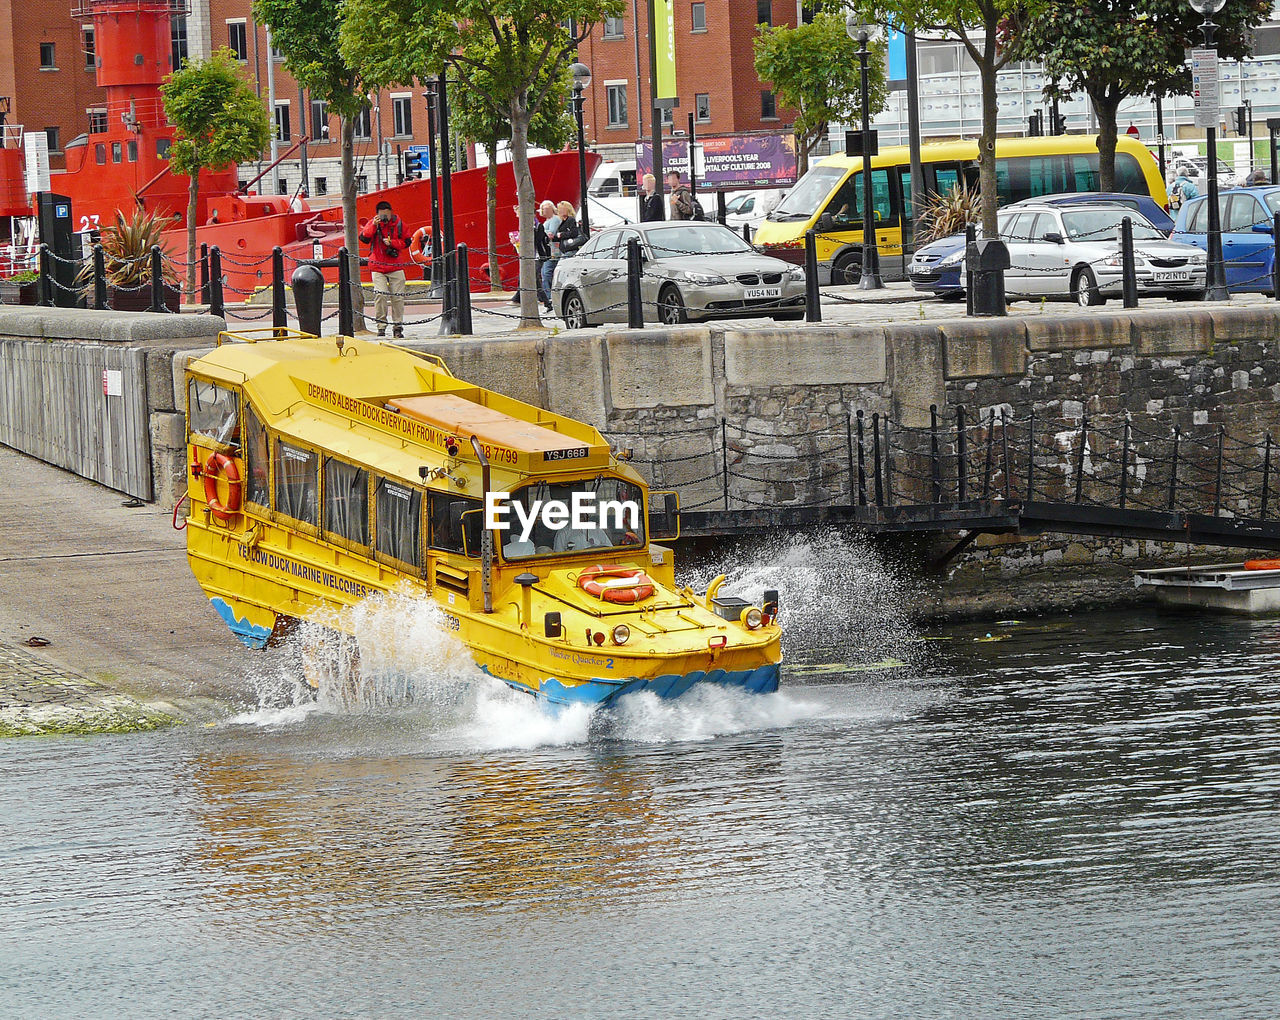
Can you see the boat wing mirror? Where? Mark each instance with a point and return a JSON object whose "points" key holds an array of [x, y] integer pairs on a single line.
{"points": [[471, 523], [551, 625], [664, 515]]}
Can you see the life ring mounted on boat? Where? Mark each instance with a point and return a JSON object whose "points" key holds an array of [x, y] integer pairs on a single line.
{"points": [[219, 465], [612, 582], [1262, 564]]}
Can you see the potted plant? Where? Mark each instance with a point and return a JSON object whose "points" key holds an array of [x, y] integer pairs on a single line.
{"points": [[20, 288], [126, 247]]}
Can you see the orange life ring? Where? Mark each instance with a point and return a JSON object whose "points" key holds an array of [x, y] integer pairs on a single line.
{"points": [[420, 246], [612, 582], [1262, 564], [219, 465]]}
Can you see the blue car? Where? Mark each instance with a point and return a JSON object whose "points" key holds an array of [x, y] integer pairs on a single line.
{"points": [[935, 269], [1248, 249]]}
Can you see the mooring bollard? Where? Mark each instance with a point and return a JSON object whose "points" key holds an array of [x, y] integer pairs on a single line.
{"points": [[279, 311], [635, 301], [462, 280], [157, 280], [215, 282], [99, 278], [346, 313], [448, 294], [307, 283], [812, 301], [44, 287], [1275, 268], [970, 236], [746, 232], [204, 272], [1128, 270]]}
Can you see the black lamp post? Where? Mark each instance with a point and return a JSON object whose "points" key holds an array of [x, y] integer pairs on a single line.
{"points": [[870, 279], [1215, 271], [449, 304], [581, 79]]}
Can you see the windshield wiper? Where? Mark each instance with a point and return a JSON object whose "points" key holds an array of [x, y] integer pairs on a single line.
{"points": [[787, 217]]}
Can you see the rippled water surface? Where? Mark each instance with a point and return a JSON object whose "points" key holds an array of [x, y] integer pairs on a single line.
{"points": [[1068, 817]]}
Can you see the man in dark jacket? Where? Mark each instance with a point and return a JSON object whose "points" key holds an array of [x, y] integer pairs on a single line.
{"points": [[650, 200], [681, 197], [387, 240]]}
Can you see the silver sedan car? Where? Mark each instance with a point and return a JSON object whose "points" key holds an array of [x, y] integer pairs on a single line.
{"points": [[691, 270], [1065, 251]]}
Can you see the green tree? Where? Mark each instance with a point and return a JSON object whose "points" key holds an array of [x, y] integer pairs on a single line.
{"points": [[306, 32], [220, 121], [403, 38], [988, 30], [814, 68], [474, 118], [1115, 49]]}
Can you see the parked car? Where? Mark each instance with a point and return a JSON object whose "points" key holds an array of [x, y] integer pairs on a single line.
{"points": [[692, 271], [1063, 251], [750, 207], [1197, 168], [1154, 213], [1248, 247]]}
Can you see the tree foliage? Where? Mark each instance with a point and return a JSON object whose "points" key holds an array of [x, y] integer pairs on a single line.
{"points": [[499, 50], [220, 121], [814, 68], [1115, 49]]}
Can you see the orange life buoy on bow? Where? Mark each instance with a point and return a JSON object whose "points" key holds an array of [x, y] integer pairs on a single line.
{"points": [[1262, 564], [612, 582], [420, 246], [219, 465]]}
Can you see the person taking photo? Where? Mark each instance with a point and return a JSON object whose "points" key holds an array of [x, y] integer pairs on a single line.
{"points": [[387, 241]]}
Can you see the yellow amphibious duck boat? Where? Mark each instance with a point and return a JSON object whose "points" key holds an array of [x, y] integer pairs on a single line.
{"points": [[322, 471]]}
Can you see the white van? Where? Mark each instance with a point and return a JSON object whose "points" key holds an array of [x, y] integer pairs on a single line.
{"points": [[750, 207], [613, 178]]}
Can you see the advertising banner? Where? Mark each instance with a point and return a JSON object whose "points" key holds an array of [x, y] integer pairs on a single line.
{"points": [[729, 162], [664, 20]]}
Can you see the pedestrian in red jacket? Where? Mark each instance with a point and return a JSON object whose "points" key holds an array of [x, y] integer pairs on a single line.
{"points": [[387, 240]]}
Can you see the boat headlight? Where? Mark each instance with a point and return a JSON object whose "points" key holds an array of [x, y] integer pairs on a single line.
{"points": [[621, 633], [752, 618]]}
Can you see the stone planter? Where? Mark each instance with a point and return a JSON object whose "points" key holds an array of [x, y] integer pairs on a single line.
{"points": [[140, 300], [19, 293]]}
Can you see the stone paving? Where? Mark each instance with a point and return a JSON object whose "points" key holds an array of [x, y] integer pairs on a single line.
{"points": [[37, 697]]}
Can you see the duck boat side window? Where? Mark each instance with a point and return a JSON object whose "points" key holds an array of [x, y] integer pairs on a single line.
{"points": [[607, 512], [213, 411], [346, 501], [257, 460], [397, 527], [446, 521], [297, 478]]}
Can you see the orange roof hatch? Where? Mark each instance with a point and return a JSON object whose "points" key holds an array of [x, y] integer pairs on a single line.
{"points": [[465, 417]]}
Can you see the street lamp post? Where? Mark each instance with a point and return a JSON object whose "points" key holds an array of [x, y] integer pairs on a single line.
{"points": [[1215, 274], [581, 79], [870, 279]]}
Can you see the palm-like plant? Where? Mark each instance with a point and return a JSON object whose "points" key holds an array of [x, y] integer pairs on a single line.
{"points": [[127, 244], [949, 213]]}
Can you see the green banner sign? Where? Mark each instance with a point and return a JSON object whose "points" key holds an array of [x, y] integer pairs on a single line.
{"points": [[664, 18]]}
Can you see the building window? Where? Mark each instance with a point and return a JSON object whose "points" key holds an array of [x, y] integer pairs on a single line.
{"points": [[283, 129], [52, 133], [282, 186], [702, 107], [319, 120], [163, 145], [402, 114], [764, 12], [668, 115], [616, 96], [362, 183], [97, 122], [47, 60], [276, 54], [238, 40], [768, 106], [613, 28], [364, 126], [90, 52], [700, 17], [322, 185], [178, 51]]}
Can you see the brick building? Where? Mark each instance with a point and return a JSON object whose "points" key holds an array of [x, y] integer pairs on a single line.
{"points": [[715, 72]]}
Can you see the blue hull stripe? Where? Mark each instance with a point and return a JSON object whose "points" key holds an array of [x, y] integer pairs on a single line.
{"points": [[761, 680], [252, 635]]}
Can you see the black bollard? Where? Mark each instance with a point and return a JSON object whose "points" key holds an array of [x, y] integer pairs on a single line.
{"points": [[635, 301], [308, 297], [1275, 269], [44, 286], [157, 280], [1128, 271], [99, 277], [746, 232], [812, 302], [970, 236], [463, 284], [449, 294], [279, 311], [215, 282], [988, 259], [204, 272], [346, 314]]}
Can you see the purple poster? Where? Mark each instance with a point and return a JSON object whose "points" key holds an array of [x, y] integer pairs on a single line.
{"points": [[764, 160]]}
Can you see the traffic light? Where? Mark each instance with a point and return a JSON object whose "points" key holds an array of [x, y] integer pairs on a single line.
{"points": [[1035, 125], [412, 164], [1242, 120], [1059, 123]]}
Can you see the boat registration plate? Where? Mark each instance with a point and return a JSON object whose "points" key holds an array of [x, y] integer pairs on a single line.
{"points": [[762, 292], [577, 453], [1173, 276]]}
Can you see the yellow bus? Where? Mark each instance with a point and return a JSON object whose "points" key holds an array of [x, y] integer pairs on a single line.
{"points": [[829, 197]]}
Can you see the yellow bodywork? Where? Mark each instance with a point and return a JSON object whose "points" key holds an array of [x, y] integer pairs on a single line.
{"points": [[404, 420]]}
